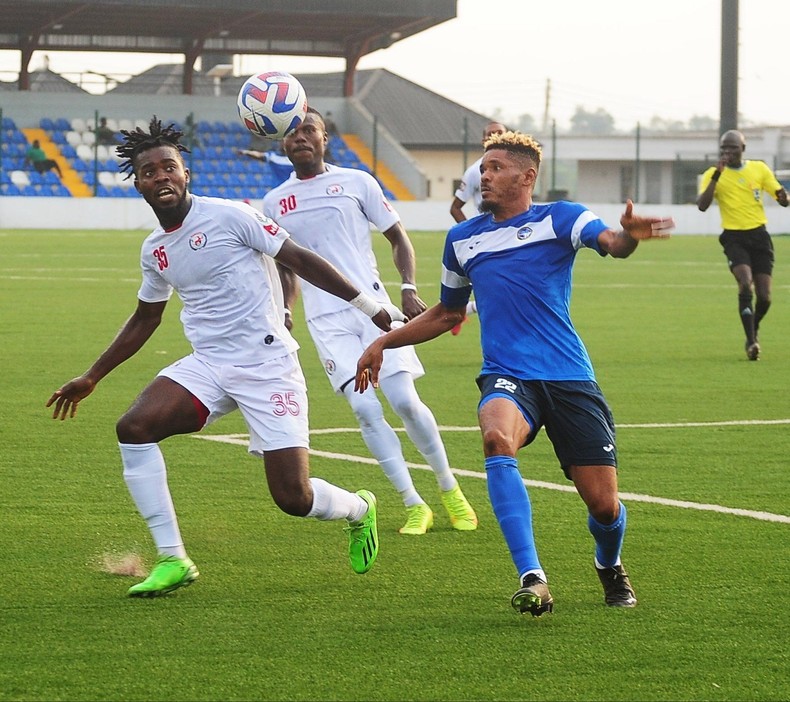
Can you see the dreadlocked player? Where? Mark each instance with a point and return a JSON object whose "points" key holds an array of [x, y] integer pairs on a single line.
{"points": [[218, 257]]}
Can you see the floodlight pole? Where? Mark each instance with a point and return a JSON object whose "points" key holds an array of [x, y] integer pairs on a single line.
{"points": [[728, 112]]}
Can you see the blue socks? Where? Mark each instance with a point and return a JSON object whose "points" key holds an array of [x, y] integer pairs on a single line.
{"points": [[608, 539], [511, 505]]}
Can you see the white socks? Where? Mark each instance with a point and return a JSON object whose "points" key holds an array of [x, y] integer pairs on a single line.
{"points": [[331, 502], [146, 478]]}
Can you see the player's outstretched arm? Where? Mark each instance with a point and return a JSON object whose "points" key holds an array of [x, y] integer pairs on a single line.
{"points": [[317, 270], [635, 229], [137, 330], [434, 322]]}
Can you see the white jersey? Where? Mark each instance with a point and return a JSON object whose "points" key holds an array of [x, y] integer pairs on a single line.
{"points": [[331, 215], [470, 185], [231, 293]]}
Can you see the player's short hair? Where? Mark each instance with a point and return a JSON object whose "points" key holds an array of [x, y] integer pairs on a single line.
{"points": [[515, 143], [136, 141], [313, 111]]}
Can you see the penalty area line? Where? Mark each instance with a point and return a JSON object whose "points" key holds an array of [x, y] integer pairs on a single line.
{"points": [[243, 440]]}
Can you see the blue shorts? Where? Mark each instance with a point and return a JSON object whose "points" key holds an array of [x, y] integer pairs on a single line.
{"points": [[577, 418]]}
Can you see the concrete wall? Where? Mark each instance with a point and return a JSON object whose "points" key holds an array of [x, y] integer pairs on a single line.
{"points": [[131, 213]]}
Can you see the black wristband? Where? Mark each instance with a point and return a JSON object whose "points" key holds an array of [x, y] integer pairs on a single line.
{"points": [[716, 175]]}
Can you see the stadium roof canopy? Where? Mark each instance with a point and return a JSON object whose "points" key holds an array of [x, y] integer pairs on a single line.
{"points": [[346, 29]]}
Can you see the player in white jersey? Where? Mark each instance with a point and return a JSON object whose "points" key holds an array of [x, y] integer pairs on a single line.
{"points": [[218, 257], [329, 210], [536, 372], [469, 190]]}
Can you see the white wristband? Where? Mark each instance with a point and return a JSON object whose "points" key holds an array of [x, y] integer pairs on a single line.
{"points": [[366, 305], [287, 312], [408, 286]]}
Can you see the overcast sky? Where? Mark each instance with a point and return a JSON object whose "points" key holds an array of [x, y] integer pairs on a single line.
{"points": [[634, 58]]}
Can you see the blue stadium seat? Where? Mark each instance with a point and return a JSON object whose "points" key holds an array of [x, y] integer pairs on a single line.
{"points": [[62, 124], [10, 190], [47, 123], [7, 123]]}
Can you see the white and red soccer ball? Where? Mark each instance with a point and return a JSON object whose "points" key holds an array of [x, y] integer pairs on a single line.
{"points": [[272, 104]]}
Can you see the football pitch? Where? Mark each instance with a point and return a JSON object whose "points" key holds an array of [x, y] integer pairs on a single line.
{"points": [[277, 614]]}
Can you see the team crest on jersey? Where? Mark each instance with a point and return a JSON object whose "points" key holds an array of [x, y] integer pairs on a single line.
{"points": [[267, 224], [334, 190], [329, 366], [197, 241], [524, 233], [272, 228]]}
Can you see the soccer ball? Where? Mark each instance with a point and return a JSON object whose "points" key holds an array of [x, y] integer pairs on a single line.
{"points": [[272, 104]]}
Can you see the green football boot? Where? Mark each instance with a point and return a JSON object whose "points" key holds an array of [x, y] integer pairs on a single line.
{"points": [[168, 574], [363, 536]]}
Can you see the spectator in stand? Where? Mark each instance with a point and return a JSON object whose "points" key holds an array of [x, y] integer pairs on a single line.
{"points": [[105, 135], [36, 158]]}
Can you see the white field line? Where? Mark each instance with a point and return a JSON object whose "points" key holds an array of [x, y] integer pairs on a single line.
{"points": [[242, 440], [662, 286], [69, 279]]}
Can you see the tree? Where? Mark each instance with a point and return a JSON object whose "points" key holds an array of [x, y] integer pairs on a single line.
{"points": [[526, 123], [598, 122], [658, 125], [703, 123]]}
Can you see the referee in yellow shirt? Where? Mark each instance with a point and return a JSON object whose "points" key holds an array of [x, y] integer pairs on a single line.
{"points": [[737, 185]]}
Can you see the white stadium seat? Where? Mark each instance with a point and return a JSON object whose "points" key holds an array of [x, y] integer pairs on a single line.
{"points": [[120, 179], [78, 124], [85, 152], [88, 138], [20, 179], [74, 138]]}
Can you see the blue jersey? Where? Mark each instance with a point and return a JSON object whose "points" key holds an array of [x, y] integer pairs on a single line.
{"points": [[521, 272]]}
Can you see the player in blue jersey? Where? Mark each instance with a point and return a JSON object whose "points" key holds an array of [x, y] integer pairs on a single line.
{"points": [[536, 371]]}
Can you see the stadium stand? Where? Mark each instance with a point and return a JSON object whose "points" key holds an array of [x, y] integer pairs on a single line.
{"points": [[91, 169]]}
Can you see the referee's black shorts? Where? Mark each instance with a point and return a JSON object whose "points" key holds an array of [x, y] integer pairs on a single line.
{"points": [[752, 247]]}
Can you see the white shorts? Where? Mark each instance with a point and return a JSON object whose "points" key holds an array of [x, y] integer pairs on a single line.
{"points": [[341, 337], [272, 397]]}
